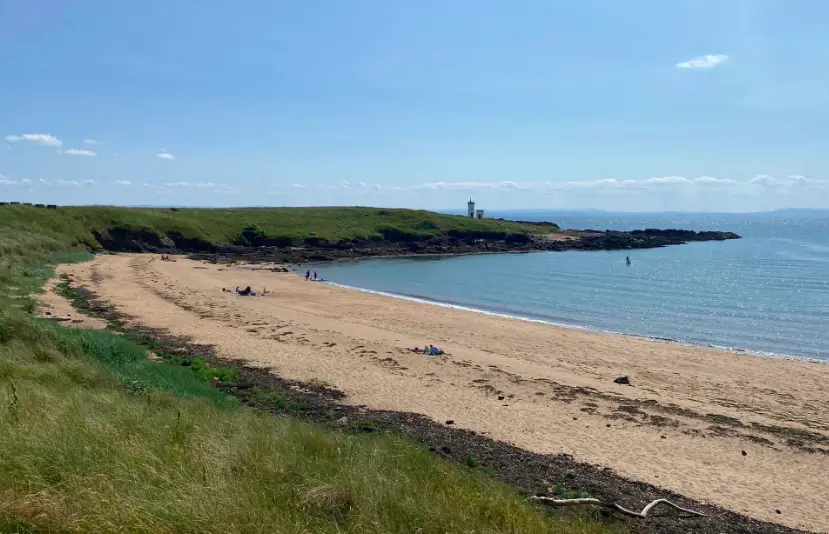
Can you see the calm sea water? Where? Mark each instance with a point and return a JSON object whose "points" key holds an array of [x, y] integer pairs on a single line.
{"points": [[766, 293]]}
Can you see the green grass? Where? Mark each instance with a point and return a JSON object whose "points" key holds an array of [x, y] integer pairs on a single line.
{"points": [[96, 437], [25, 229]]}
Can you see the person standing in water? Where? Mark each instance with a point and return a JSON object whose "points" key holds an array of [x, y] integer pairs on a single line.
{"points": [[627, 260], [315, 275], [307, 275]]}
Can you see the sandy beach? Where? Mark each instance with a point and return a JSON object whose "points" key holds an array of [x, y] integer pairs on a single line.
{"points": [[746, 433]]}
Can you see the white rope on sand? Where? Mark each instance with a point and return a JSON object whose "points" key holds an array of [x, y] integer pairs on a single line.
{"points": [[550, 501]]}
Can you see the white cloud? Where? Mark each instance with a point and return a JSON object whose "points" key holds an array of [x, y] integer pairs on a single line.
{"points": [[298, 186], [78, 152], [703, 62], [92, 142], [123, 182], [45, 182], [197, 185], [38, 139], [72, 183], [613, 185], [163, 154], [5, 180]]}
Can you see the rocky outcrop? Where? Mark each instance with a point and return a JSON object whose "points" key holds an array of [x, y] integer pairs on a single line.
{"points": [[314, 249]]}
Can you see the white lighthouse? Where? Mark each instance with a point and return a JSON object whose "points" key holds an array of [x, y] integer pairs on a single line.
{"points": [[471, 206]]}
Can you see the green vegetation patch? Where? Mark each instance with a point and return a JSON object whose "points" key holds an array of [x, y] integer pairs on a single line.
{"points": [[23, 228]]}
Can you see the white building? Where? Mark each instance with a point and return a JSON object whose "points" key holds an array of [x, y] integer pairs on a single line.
{"points": [[472, 212]]}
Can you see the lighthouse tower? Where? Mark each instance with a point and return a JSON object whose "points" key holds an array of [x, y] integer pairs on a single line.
{"points": [[471, 206]]}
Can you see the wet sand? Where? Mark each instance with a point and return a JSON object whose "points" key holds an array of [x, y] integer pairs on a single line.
{"points": [[746, 433]]}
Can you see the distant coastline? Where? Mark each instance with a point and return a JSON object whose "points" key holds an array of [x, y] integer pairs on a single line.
{"points": [[586, 240]]}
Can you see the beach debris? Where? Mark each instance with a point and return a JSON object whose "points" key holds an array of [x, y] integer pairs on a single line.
{"points": [[778, 512], [550, 501], [623, 380], [500, 397], [450, 421], [744, 453]]}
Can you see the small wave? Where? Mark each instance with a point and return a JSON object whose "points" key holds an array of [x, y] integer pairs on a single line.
{"points": [[656, 339]]}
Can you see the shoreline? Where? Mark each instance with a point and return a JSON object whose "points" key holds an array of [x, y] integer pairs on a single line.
{"points": [[653, 339], [725, 429]]}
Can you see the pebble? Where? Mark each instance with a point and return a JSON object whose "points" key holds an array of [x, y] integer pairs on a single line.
{"points": [[450, 421], [500, 397], [778, 512], [744, 453], [663, 437]]}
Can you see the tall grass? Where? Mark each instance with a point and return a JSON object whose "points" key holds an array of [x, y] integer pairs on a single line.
{"points": [[79, 452]]}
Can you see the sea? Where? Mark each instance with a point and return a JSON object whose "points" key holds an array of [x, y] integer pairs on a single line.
{"points": [[766, 294]]}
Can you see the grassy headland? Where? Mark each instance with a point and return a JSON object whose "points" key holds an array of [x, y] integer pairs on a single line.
{"points": [[97, 437], [297, 235], [196, 228]]}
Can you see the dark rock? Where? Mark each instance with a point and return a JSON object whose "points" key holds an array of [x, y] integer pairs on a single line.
{"points": [[450, 421], [623, 380], [744, 453], [500, 397]]}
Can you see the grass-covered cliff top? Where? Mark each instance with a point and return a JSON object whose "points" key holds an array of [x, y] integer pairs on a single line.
{"points": [[26, 226]]}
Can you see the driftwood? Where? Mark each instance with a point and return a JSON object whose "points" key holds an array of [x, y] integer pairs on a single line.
{"points": [[550, 501]]}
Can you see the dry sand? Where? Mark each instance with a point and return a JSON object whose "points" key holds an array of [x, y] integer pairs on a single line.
{"points": [[746, 433]]}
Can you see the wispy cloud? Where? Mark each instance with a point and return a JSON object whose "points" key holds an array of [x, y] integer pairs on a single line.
{"points": [[123, 182], [163, 154], [36, 138], [72, 183], [606, 184], [93, 142], [5, 180], [196, 185], [78, 152], [703, 62]]}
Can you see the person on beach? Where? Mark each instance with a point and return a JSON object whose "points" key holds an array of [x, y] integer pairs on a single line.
{"points": [[315, 276], [307, 275]]}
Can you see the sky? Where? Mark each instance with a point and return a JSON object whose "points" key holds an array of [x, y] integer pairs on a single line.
{"points": [[643, 105]]}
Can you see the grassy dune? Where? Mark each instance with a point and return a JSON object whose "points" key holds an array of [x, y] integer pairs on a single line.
{"points": [[24, 226], [96, 437]]}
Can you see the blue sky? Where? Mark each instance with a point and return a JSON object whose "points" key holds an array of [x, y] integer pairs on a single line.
{"points": [[638, 105]]}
